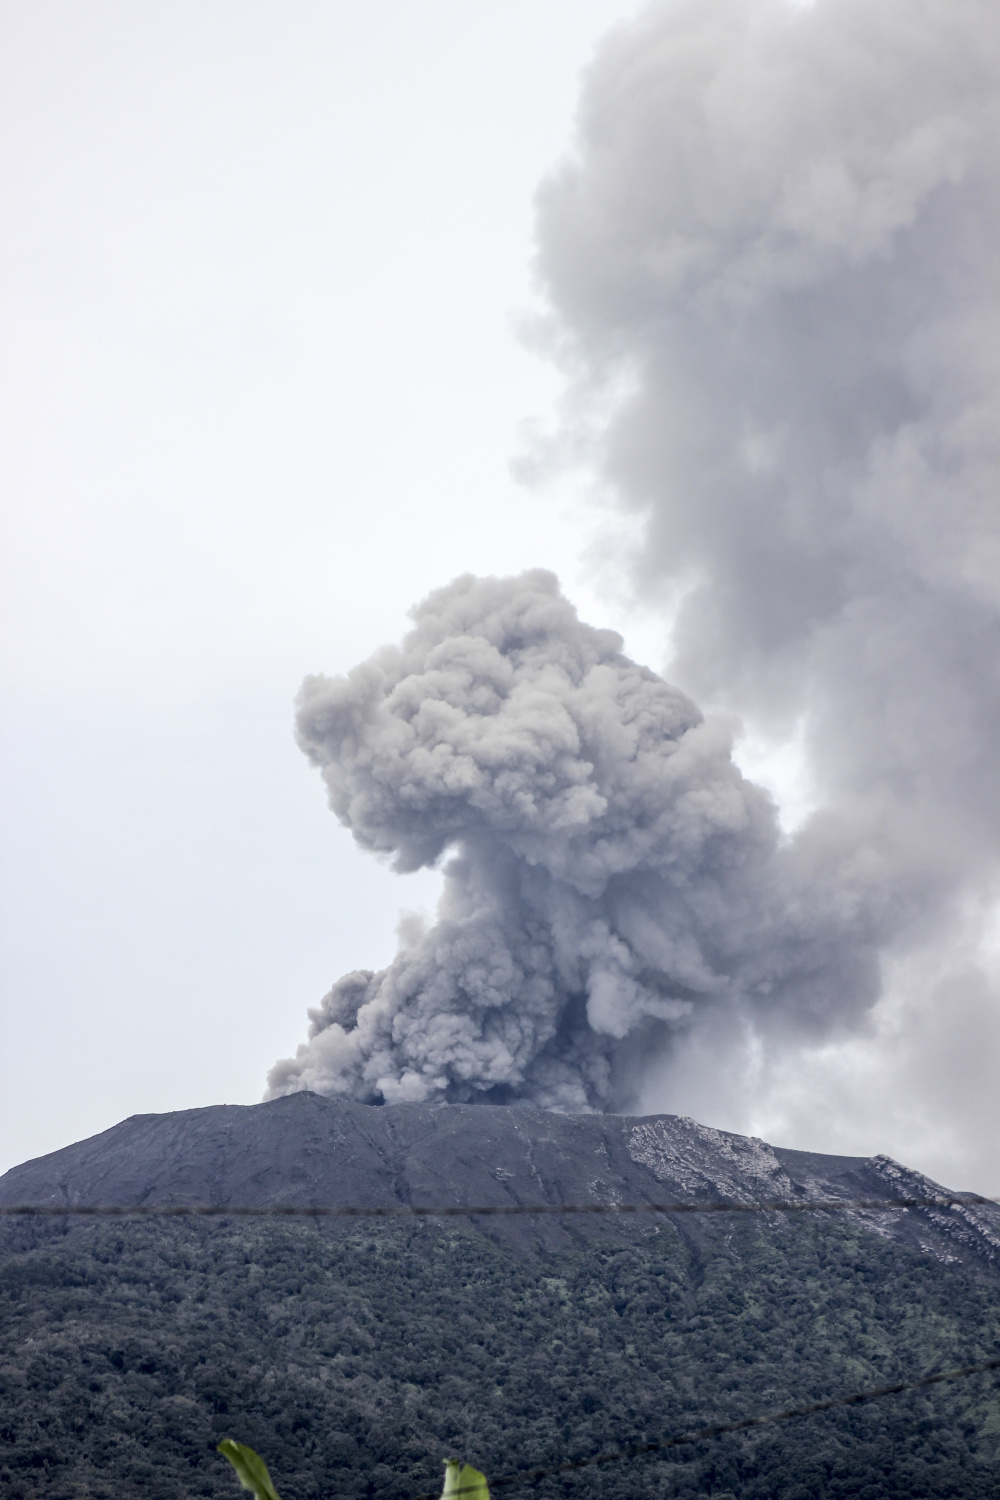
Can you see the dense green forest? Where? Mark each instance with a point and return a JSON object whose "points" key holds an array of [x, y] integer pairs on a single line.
{"points": [[355, 1360]]}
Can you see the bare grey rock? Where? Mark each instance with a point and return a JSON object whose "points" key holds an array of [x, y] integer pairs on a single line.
{"points": [[305, 1150]]}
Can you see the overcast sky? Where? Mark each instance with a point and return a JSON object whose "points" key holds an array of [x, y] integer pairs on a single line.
{"points": [[265, 281], [261, 389]]}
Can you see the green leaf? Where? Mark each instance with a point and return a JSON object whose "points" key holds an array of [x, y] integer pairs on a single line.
{"points": [[250, 1470], [462, 1480]]}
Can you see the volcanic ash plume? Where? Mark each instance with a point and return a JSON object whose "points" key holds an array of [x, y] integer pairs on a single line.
{"points": [[608, 872], [782, 222], [773, 252]]}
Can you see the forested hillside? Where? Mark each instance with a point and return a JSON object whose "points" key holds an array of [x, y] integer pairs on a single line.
{"points": [[356, 1359]]}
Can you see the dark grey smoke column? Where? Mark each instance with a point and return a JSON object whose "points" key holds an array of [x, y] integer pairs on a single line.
{"points": [[609, 871], [780, 223]]}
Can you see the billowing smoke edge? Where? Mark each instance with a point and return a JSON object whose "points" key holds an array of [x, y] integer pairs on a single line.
{"points": [[608, 870]]}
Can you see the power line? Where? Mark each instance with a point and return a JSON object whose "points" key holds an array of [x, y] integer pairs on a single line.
{"points": [[722, 1429], [482, 1210]]}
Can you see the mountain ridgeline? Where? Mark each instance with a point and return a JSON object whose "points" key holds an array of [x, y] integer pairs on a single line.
{"points": [[357, 1354]]}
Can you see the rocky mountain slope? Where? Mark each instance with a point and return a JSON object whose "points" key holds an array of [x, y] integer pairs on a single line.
{"points": [[306, 1150]]}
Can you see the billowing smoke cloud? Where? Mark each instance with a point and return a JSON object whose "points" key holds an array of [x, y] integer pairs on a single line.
{"points": [[779, 225], [775, 246], [783, 223], [609, 869]]}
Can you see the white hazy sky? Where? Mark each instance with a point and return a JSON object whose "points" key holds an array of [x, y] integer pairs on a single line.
{"points": [[261, 389], [262, 386]]}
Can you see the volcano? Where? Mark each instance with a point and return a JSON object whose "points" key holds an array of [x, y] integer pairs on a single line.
{"points": [[356, 1353]]}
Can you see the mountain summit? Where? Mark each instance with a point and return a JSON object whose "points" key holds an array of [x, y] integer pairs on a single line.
{"points": [[306, 1150]]}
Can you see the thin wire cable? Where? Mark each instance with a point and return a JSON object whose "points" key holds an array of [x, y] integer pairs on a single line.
{"points": [[722, 1429], [482, 1210]]}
